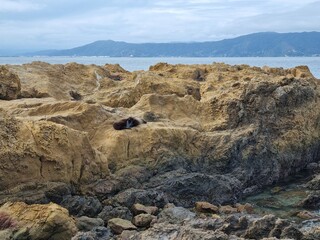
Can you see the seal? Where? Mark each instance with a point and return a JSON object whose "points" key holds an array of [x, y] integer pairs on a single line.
{"points": [[128, 123]]}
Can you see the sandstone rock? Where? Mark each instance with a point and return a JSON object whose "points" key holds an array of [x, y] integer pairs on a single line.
{"points": [[247, 207], [10, 86], [110, 212], [307, 215], [206, 207], [48, 221], [82, 205], [139, 208], [143, 220], [97, 233], [175, 215], [227, 209], [87, 224], [45, 152], [235, 131], [118, 225]]}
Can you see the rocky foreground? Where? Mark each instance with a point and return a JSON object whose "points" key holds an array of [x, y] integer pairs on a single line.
{"points": [[214, 135]]}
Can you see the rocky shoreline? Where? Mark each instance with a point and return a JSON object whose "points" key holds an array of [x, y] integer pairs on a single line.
{"points": [[214, 135]]}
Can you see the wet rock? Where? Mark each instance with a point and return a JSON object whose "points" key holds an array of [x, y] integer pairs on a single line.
{"points": [[118, 225], [143, 220], [206, 207], [10, 87], [312, 234], [312, 201], [48, 221], [87, 224], [109, 212], [261, 228], [82, 205], [234, 224], [139, 208], [314, 184], [97, 233], [291, 232], [175, 215]]}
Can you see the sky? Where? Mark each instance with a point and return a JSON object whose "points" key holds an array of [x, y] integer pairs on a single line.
{"points": [[60, 24]]}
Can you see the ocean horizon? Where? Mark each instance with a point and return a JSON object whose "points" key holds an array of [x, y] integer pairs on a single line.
{"points": [[143, 63]]}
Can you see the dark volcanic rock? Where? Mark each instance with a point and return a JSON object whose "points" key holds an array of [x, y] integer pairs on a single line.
{"points": [[189, 188], [175, 215], [97, 233], [87, 224], [82, 205], [109, 212], [147, 197], [312, 201]]}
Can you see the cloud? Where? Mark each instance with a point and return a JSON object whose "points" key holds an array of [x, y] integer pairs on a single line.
{"points": [[18, 6], [63, 24]]}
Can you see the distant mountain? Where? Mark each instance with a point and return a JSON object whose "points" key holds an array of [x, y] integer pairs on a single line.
{"points": [[266, 44]]}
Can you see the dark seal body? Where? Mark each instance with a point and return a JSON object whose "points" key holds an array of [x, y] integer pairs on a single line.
{"points": [[128, 123]]}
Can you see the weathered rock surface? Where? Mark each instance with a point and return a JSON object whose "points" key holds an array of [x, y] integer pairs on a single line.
{"points": [[85, 223], [97, 233], [10, 87], [143, 220], [215, 133], [139, 208], [119, 225], [40, 221]]}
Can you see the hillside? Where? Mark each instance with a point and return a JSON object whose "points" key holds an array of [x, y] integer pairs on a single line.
{"points": [[267, 44]]}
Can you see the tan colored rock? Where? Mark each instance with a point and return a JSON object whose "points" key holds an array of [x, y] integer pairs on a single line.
{"points": [[48, 221], [139, 208], [143, 220], [247, 207], [307, 215], [216, 117], [206, 207], [227, 209], [10, 86], [44, 151], [118, 225]]}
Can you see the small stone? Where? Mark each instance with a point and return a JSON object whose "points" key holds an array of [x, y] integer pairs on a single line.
{"points": [[227, 209], [118, 225], [215, 216], [206, 207], [143, 220], [139, 208], [306, 215]]}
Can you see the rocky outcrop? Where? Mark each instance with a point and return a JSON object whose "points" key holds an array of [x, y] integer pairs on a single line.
{"points": [[43, 151], [10, 87], [215, 133]]}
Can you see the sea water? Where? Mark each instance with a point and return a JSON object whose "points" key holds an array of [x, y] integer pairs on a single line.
{"points": [[133, 64]]}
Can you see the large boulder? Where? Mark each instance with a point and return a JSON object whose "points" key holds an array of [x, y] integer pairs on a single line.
{"points": [[10, 87], [38, 222]]}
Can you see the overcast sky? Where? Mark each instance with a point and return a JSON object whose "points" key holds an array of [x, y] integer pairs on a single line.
{"points": [[58, 24]]}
